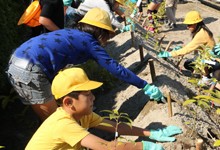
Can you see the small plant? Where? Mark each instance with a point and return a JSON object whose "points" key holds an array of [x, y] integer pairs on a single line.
{"points": [[119, 118]]}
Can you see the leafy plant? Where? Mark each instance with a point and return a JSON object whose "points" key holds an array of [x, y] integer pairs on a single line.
{"points": [[205, 102], [119, 118]]}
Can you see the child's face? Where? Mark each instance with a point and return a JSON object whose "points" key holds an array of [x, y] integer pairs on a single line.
{"points": [[84, 104], [191, 27]]}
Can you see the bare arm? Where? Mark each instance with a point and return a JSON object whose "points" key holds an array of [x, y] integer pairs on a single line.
{"points": [[124, 129], [48, 23], [93, 142]]}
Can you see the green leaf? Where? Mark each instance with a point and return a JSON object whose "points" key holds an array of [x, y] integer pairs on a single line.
{"points": [[218, 111], [217, 143], [108, 111], [115, 111], [106, 124], [112, 116], [189, 101], [203, 104], [187, 122], [127, 118]]}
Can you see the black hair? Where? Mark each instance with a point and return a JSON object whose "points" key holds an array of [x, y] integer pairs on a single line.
{"points": [[110, 4], [102, 35], [199, 26], [74, 94]]}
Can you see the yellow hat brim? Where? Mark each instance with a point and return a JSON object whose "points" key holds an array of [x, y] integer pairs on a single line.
{"points": [[97, 24]]}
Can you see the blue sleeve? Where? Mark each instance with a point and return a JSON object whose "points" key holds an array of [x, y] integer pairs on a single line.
{"points": [[104, 60]]}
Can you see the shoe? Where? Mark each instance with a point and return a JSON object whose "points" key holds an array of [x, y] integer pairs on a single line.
{"points": [[170, 26], [205, 81]]}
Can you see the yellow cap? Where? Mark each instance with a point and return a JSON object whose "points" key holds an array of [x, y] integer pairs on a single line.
{"points": [[99, 18], [120, 2], [31, 15], [192, 17], [72, 79]]}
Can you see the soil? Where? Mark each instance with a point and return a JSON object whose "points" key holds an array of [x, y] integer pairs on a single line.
{"points": [[169, 78]]}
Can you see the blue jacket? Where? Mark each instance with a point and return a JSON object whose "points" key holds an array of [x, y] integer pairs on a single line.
{"points": [[53, 51]]}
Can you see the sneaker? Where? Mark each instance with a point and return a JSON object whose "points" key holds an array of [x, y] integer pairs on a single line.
{"points": [[205, 81]]}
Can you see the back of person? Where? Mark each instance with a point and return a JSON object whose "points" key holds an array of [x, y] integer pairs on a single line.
{"points": [[54, 50], [53, 9]]}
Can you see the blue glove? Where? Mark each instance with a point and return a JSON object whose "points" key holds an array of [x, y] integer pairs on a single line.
{"points": [[133, 1], [176, 48], [153, 92], [134, 12], [216, 50], [164, 54], [128, 28], [151, 146], [163, 135]]}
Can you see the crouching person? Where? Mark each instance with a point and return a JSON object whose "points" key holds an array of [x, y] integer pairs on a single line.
{"points": [[67, 127]]}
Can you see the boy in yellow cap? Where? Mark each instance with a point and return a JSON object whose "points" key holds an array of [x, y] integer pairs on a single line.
{"points": [[67, 127]]}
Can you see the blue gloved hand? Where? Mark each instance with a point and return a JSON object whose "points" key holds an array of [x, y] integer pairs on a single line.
{"points": [[134, 12], [128, 28], [164, 54], [216, 50], [153, 92], [177, 48], [151, 146], [133, 1], [128, 20], [163, 135]]}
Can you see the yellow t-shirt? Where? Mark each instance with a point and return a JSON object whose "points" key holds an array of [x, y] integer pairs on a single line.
{"points": [[61, 132], [201, 38]]}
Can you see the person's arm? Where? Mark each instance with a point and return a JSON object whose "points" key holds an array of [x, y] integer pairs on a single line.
{"points": [[200, 39], [93, 142], [124, 129], [99, 54], [120, 13], [48, 23]]}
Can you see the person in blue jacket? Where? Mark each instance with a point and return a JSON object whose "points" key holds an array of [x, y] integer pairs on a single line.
{"points": [[35, 63]]}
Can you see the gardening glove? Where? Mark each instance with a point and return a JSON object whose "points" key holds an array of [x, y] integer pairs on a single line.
{"points": [[163, 135], [134, 12], [215, 52], [164, 54], [153, 92], [129, 21], [127, 28], [151, 146], [176, 48]]}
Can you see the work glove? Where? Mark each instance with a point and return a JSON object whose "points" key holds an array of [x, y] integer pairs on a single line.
{"points": [[153, 92], [133, 1], [134, 12], [128, 28], [163, 135], [164, 54], [177, 48], [128, 20], [151, 146], [215, 52]]}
